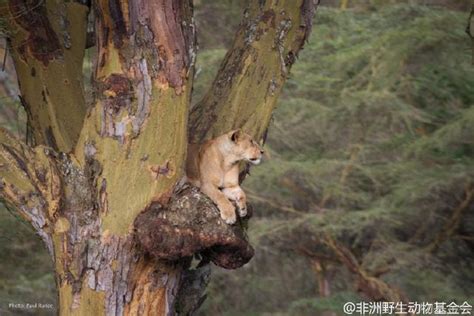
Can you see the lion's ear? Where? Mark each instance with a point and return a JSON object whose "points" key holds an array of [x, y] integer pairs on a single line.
{"points": [[236, 135]]}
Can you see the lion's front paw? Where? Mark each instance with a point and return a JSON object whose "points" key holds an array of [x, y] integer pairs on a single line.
{"points": [[242, 208], [228, 214]]}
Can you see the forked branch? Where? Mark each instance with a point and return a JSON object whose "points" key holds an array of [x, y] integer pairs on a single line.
{"points": [[369, 285]]}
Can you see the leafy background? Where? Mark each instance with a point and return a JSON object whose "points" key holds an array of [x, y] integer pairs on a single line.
{"points": [[366, 192]]}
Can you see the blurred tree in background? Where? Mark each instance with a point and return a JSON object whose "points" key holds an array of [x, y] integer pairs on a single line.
{"points": [[367, 190]]}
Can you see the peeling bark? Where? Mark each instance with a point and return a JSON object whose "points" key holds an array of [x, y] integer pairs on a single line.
{"points": [[143, 80], [98, 272], [47, 41], [41, 41], [29, 183]]}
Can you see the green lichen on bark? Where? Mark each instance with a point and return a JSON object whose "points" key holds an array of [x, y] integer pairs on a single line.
{"points": [[48, 51], [245, 91]]}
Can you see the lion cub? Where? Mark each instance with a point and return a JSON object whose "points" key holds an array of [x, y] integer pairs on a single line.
{"points": [[214, 168]]}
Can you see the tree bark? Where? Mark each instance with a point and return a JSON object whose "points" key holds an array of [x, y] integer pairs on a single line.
{"points": [[47, 43], [102, 183], [251, 77]]}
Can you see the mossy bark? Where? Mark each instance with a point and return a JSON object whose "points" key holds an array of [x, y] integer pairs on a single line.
{"points": [[132, 148], [47, 43], [245, 91], [101, 185], [91, 174]]}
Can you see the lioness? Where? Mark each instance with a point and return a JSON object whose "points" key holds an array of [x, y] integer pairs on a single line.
{"points": [[214, 168]]}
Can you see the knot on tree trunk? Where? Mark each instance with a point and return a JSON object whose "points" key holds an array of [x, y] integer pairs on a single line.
{"points": [[191, 224]]}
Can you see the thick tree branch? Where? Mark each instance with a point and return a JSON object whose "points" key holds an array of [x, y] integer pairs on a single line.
{"points": [[246, 88], [29, 183], [47, 41]]}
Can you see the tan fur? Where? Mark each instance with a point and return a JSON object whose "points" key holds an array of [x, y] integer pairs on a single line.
{"points": [[214, 167]]}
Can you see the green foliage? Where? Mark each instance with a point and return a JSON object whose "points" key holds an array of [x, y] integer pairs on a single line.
{"points": [[377, 119], [206, 69], [217, 21], [310, 306]]}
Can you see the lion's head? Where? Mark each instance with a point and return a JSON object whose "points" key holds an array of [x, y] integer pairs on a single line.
{"points": [[245, 147]]}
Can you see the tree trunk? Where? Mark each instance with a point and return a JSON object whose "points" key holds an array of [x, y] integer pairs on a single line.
{"points": [[102, 184]]}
